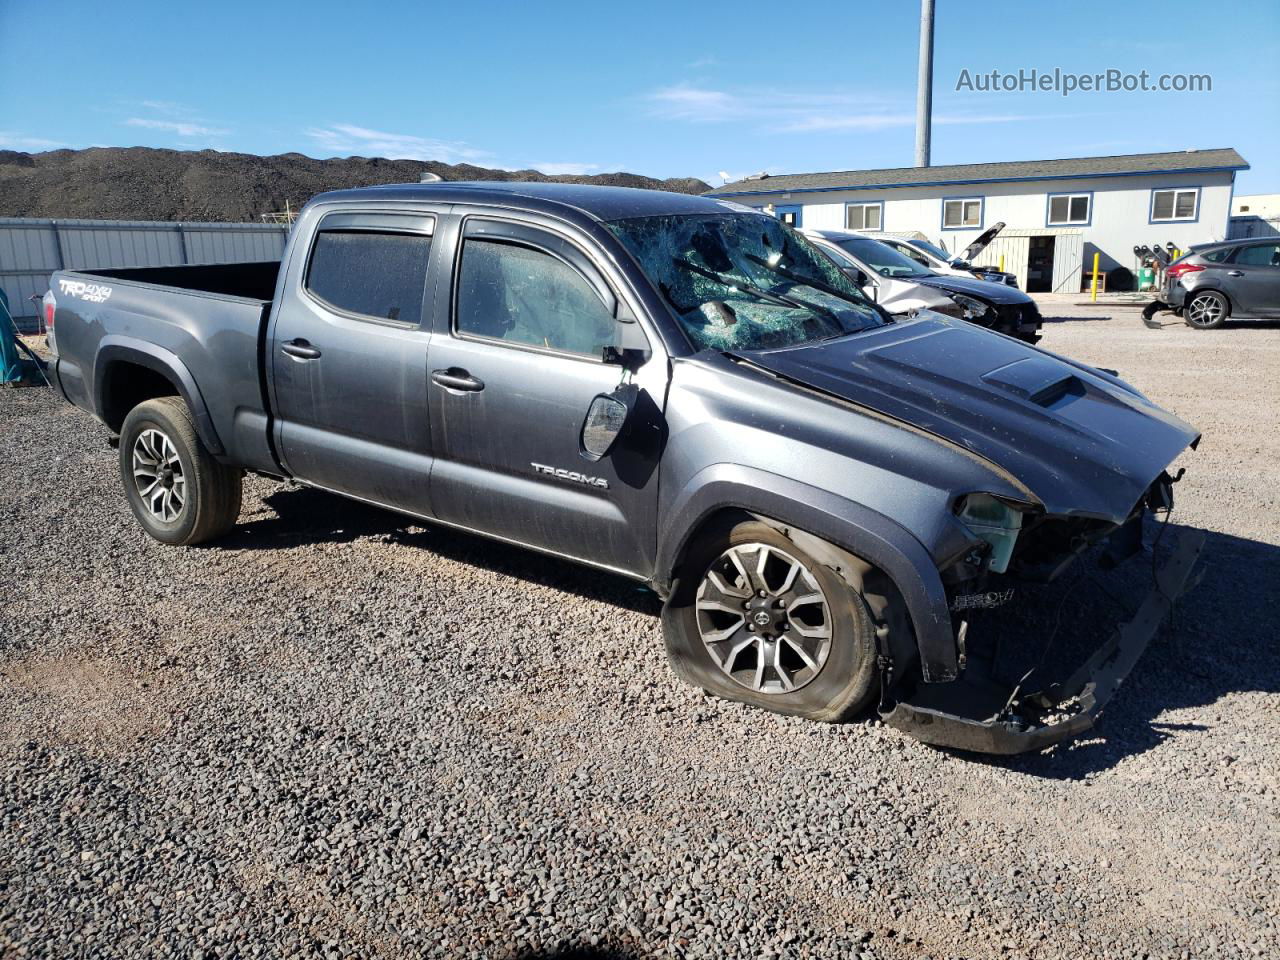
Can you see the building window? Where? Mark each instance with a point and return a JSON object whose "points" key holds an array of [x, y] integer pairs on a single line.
{"points": [[1070, 209], [1180, 204], [961, 212], [864, 216]]}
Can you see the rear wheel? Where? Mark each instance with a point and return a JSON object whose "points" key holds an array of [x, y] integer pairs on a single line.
{"points": [[756, 619], [176, 489], [1206, 310]]}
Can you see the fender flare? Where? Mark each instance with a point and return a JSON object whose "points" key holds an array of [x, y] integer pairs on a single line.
{"points": [[115, 348], [859, 530]]}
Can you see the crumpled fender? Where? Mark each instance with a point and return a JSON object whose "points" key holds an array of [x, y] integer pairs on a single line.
{"points": [[849, 525]]}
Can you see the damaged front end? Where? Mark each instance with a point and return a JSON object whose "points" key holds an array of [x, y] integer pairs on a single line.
{"points": [[979, 711]]}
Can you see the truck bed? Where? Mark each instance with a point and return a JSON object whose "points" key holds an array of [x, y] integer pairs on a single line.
{"points": [[199, 327], [254, 281]]}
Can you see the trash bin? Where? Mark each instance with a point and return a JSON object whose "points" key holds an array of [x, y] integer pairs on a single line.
{"points": [[1146, 278], [10, 361]]}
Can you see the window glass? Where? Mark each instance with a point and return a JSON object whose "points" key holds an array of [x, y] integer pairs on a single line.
{"points": [[883, 259], [377, 275], [863, 216], [745, 282], [1217, 256], [515, 293], [1261, 255], [961, 213], [1069, 209], [1173, 204]]}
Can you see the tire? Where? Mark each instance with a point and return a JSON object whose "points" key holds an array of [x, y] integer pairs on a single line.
{"points": [[179, 493], [1206, 310], [846, 679]]}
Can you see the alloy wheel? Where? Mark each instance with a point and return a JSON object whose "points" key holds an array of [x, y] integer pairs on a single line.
{"points": [[1205, 310], [764, 618], [157, 473]]}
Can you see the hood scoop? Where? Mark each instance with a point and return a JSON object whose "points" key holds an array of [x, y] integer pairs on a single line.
{"points": [[1040, 380]]}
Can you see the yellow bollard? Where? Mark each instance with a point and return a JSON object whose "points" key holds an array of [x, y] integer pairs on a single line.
{"points": [[1094, 285], [1002, 263]]}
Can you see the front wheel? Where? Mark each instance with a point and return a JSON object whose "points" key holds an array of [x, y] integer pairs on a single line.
{"points": [[754, 618], [1207, 310], [176, 489]]}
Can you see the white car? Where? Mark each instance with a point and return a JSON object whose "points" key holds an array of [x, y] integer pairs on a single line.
{"points": [[933, 257], [901, 285]]}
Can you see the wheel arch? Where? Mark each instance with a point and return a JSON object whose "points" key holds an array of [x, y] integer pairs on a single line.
{"points": [[827, 521], [127, 372]]}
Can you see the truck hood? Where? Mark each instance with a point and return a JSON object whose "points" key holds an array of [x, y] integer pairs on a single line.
{"points": [[1081, 443], [1000, 293]]}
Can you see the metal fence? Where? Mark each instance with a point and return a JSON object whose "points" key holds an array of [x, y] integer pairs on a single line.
{"points": [[32, 249]]}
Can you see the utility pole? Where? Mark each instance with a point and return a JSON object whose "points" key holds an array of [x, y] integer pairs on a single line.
{"points": [[924, 93]]}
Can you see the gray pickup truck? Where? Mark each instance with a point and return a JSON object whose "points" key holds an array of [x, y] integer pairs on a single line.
{"points": [[676, 389]]}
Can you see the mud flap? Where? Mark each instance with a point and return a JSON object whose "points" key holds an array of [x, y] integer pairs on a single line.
{"points": [[1149, 313], [936, 714]]}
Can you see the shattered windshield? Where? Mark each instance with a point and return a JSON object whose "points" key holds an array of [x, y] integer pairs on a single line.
{"points": [[743, 281]]}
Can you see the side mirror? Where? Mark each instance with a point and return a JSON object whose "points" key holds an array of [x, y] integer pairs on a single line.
{"points": [[630, 347], [856, 275], [606, 418]]}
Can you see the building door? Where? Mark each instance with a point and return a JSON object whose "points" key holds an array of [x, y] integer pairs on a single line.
{"points": [[1040, 265], [792, 216]]}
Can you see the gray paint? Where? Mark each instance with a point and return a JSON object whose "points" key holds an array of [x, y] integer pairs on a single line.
{"points": [[31, 249], [867, 441]]}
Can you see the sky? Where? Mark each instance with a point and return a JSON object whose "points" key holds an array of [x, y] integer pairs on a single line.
{"points": [[663, 89]]}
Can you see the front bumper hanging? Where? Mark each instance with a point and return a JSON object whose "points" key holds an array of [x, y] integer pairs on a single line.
{"points": [[935, 714]]}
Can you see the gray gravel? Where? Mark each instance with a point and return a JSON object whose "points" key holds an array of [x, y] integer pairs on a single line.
{"points": [[339, 734]]}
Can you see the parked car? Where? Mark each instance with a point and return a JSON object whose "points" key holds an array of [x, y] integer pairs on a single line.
{"points": [[932, 257], [900, 284], [676, 389], [1235, 279]]}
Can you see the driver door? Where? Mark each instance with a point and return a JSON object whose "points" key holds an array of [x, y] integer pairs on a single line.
{"points": [[513, 372]]}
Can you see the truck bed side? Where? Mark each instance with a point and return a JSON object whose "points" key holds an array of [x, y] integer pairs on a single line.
{"points": [[124, 336]]}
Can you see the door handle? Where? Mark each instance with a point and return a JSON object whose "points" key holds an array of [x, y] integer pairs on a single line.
{"points": [[301, 349], [1235, 273], [455, 378]]}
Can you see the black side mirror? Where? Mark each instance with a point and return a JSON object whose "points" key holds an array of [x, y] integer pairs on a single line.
{"points": [[630, 347], [606, 418], [856, 275]]}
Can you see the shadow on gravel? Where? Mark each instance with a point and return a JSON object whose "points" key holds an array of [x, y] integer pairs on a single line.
{"points": [[304, 516], [1222, 639]]}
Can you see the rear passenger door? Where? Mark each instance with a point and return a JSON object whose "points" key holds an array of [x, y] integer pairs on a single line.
{"points": [[1254, 280], [348, 358], [513, 372]]}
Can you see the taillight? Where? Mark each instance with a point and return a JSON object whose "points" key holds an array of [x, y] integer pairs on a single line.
{"points": [[50, 308], [1176, 270]]}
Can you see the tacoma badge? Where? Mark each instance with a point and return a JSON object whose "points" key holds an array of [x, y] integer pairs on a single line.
{"points": [[571, 475]]}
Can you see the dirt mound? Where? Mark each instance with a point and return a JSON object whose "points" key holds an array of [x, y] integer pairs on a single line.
{"points": [[142, 183]]}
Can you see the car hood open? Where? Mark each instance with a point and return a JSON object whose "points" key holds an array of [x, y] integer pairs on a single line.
{"points": [[1082, 442]]}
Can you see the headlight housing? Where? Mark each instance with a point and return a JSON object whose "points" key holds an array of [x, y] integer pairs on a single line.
{"points": [[969, 307], [992, 520]]}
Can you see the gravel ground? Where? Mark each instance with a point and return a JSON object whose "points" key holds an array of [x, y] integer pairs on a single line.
{"points": [[339, 734]]}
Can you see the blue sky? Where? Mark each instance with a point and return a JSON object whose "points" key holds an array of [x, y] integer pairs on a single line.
{"points": [[665, 89]]}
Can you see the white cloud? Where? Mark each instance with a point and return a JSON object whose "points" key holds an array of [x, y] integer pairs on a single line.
{"points": [[346, 138], [799, 111], [181, 127], [18, 141]]}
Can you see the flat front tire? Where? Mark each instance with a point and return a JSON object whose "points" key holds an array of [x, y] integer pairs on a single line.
{"points": [[753, 618], [179, 493]]}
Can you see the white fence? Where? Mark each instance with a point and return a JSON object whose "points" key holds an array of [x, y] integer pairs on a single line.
{"points": [[31, 249]]}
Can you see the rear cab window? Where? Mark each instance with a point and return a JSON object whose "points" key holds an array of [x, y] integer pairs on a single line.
{"points": [[371, 266]]}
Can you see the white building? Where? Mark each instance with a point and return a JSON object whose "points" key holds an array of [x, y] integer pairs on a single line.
{"points": [[1057, 213], [1255, 215]]}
